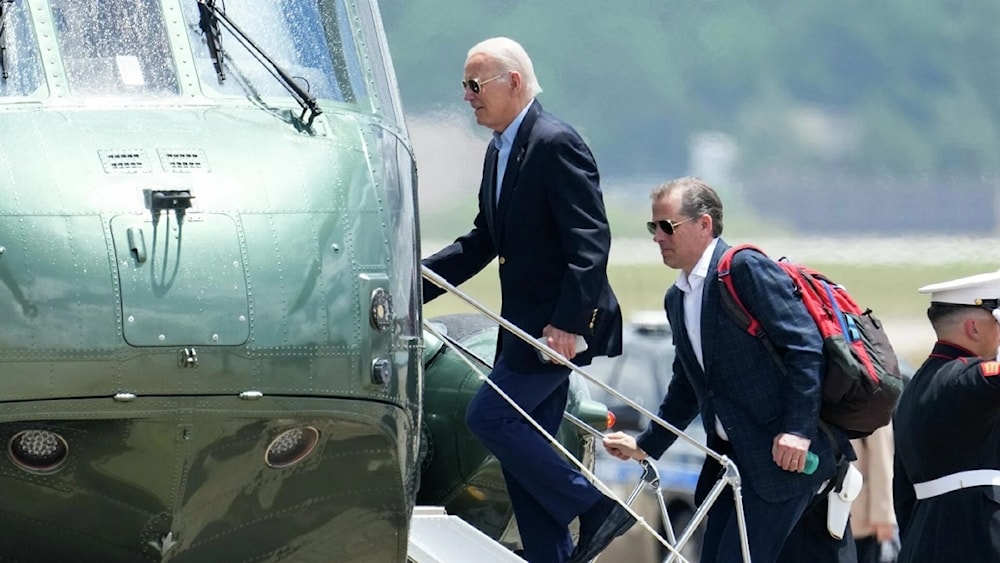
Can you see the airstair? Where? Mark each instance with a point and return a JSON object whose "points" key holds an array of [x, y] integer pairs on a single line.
{"points": [[438, 537]]}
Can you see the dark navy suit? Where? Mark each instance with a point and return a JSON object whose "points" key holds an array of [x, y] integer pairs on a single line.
{"points": [[550, 233], [742, 385]]}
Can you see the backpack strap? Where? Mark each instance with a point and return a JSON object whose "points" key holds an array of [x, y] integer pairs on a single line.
{"points": [[733, 305], [837, 482]]}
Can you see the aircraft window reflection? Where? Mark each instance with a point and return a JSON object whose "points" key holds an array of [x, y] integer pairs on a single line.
{"points": [[292, 33], [115, 47], [24, 67]]}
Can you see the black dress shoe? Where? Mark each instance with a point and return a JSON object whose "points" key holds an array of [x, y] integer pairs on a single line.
{"points": [[617, 523]]}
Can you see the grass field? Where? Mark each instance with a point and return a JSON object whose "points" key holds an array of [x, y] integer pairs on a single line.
{"points": [[878, 280], [890, 291]]}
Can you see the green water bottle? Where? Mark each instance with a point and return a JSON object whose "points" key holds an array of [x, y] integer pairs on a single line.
{"points": [[812, 462]]}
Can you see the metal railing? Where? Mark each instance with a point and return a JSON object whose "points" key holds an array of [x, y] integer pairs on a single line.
{"points": [[650, 477]]}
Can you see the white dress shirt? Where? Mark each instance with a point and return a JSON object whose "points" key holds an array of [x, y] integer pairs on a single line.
{"points": [[693, 286]]}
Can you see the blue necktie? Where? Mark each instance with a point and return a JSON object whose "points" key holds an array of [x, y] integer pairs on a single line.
{"points": [[499, 172]]}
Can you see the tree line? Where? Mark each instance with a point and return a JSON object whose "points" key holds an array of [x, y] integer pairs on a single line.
{"points": [[906, 88]]}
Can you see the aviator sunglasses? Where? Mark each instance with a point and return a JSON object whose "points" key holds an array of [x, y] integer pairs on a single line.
{"points": [[476, 85], [667, 227]]}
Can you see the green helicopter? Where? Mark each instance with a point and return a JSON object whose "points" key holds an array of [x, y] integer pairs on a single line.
{"points": [[211, 341]]}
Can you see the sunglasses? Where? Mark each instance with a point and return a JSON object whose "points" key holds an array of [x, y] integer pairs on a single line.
{"points": [[476, 85], [667, 227]]}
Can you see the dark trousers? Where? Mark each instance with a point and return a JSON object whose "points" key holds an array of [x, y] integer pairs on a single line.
{"points": [[546, 492], [811, 541], [793, 531], [767, 524]]}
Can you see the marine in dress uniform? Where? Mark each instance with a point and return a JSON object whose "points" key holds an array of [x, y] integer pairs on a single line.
{"points": [[946, 482]]}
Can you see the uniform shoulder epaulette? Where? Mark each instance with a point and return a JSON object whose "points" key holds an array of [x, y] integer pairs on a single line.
{"points": [[989, 369]]}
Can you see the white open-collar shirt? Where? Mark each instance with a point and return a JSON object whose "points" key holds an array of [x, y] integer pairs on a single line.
{"points": [[693, 286]]}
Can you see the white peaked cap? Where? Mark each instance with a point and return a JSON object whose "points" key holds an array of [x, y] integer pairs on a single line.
{"points": [[979, 290]]}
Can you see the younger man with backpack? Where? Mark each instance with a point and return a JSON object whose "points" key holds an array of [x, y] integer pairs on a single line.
{"points": [[762, 416]]}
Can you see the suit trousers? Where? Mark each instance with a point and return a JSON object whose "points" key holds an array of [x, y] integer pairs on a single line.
{"points": [[811, 541], [546, 492], [785, 532], [768, 524]]}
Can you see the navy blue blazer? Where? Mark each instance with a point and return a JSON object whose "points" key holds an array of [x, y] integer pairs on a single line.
{"points": [[550, 232], [741, 382]]}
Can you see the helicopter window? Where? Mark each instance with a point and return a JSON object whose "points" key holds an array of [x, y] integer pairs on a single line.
{"points": [[291, 33], [115, 47], [21, 63]]}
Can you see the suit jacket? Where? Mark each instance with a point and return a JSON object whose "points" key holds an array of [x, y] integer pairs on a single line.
{"points": [[741, 382], [550, 232]]}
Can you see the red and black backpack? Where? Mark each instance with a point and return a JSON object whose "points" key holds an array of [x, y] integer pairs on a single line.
{"points": [[862, 382]]}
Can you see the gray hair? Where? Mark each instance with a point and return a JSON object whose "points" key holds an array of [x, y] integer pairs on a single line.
{"points": [[512, 57], [697, 199]]}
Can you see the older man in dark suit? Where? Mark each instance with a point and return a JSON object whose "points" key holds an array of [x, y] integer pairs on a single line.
{"points": [[542, 213], [765, 420]]}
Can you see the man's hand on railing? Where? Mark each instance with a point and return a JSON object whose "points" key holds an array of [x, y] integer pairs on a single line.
{"points": [[623, 446]]}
